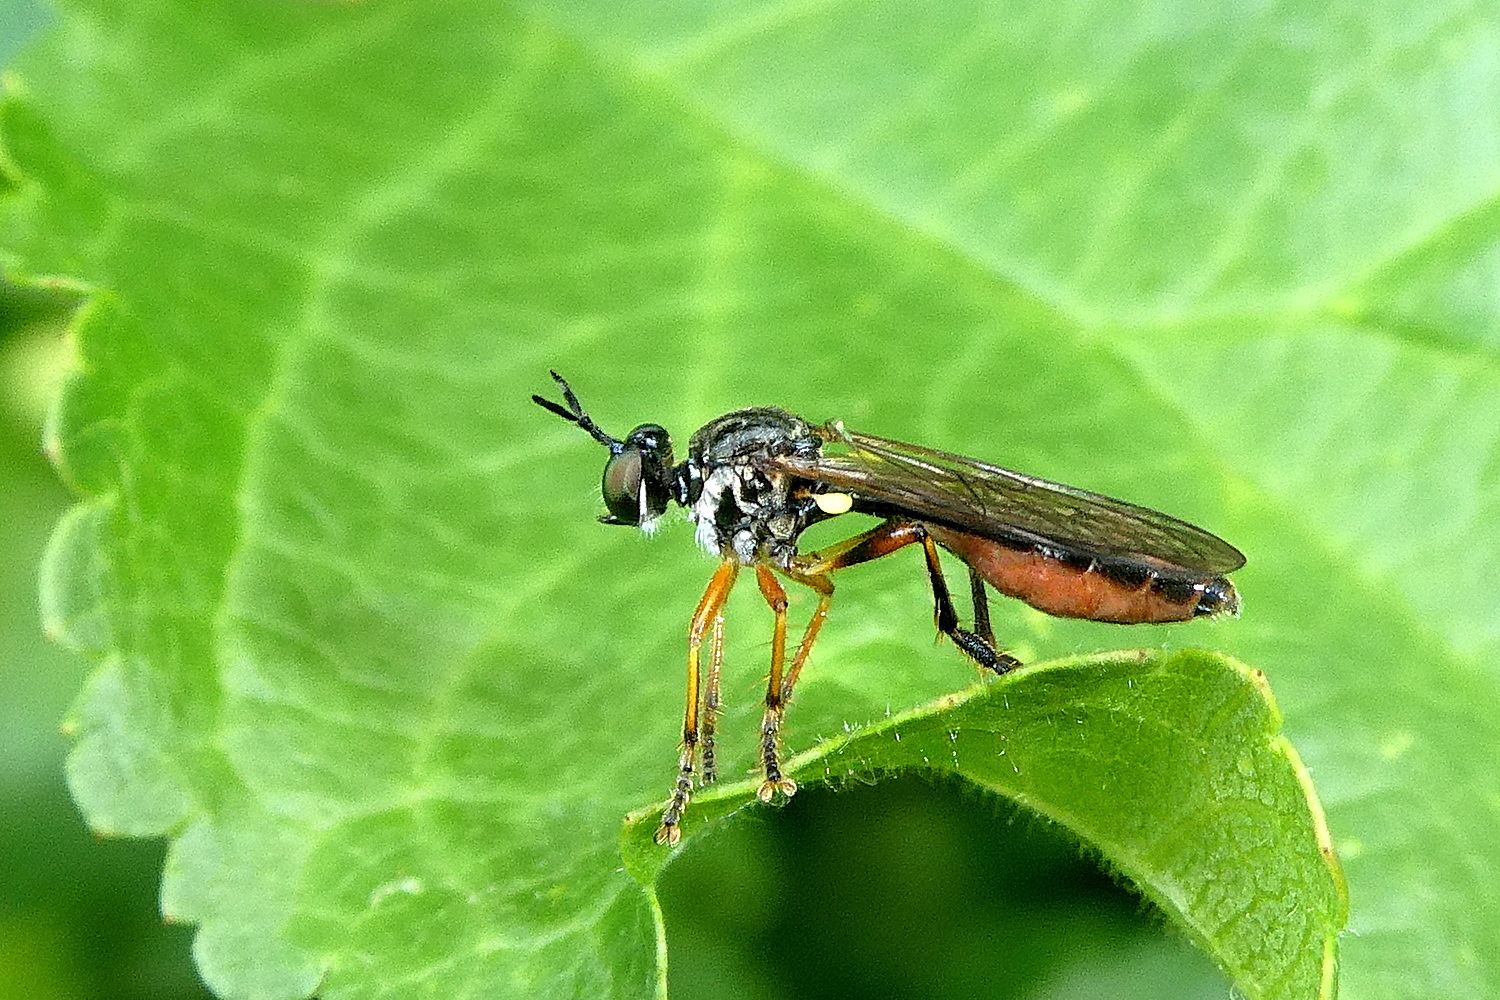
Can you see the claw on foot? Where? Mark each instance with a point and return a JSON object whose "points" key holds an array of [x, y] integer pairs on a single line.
{"points": [[768, 789]]}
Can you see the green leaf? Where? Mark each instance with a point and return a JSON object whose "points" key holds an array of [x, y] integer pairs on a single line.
{"points": [[362, 651], [1172, 767]]}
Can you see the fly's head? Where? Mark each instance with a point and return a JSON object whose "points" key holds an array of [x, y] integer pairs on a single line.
{"points": [[639, 481]]}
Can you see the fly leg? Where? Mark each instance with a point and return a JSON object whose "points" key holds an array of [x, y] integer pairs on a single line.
{"points": [[978, 645], [711, 699], [783, 679], [709, 612], [813, 571], [979, 648], [981, 607], [810, 571]]}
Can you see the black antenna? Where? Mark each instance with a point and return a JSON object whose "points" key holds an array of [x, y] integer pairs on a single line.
{"points": [[577, 416]]}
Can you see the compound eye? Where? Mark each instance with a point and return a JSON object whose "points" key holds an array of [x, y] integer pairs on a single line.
{"points": [[622, 486]]}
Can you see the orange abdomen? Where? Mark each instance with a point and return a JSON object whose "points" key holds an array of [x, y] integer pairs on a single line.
{"points": [[1164, 594]]}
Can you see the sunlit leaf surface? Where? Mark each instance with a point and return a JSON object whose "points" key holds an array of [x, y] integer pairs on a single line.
{"points": [[363, 652]]}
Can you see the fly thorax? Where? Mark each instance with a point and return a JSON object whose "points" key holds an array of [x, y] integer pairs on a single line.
{"points": [[744, 512], [757, 495]]}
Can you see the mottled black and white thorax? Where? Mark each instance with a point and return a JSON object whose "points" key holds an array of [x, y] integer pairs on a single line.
{"points": [[741, 506]]}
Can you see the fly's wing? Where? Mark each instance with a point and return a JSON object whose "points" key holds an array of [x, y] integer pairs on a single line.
{"points": [[896, 479]]}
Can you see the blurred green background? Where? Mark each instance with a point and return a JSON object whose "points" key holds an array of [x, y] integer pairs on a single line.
{"points": [[78, 915]]}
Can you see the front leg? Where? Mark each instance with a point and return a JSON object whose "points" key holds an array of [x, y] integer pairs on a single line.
{"points": [[711, 701], [770, 726], [708, 612]]}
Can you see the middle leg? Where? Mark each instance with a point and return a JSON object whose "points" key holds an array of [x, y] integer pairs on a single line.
{"points": [[783, 679], [813, 571]]}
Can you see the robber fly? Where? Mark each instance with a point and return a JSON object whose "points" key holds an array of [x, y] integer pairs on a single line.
{"points": [[755, 479]]}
